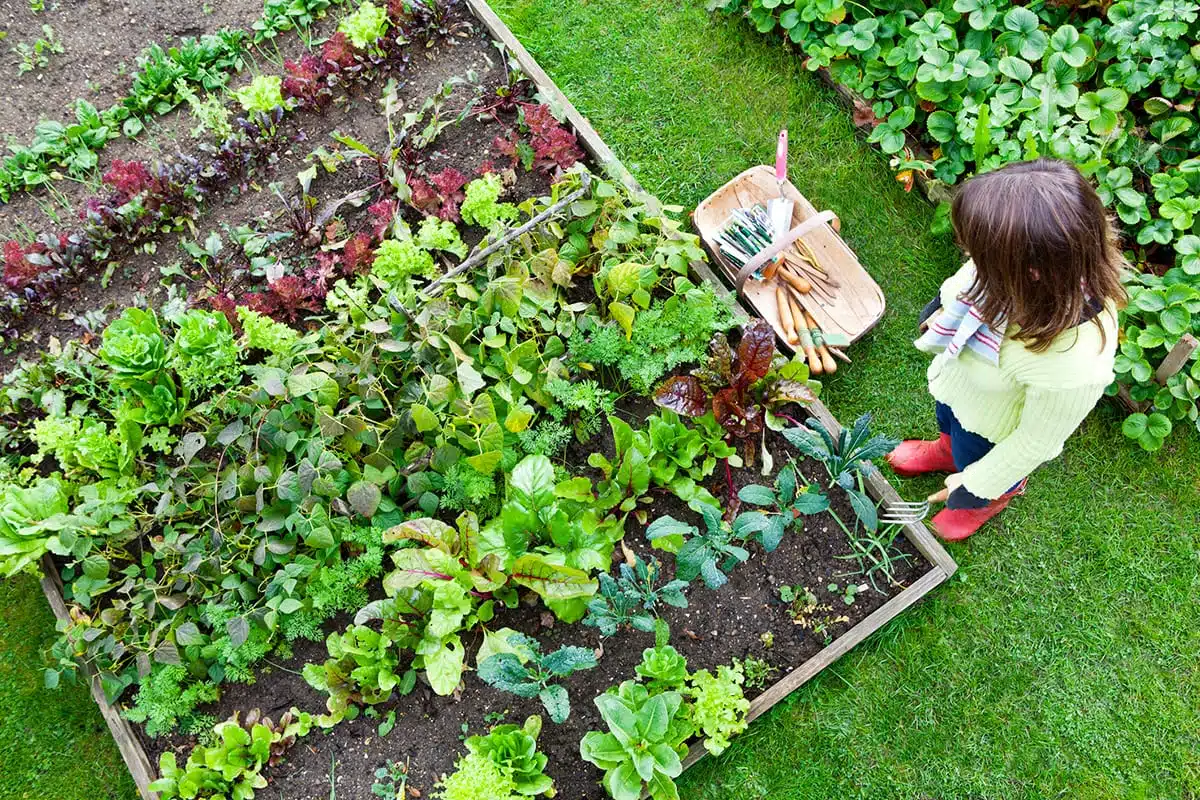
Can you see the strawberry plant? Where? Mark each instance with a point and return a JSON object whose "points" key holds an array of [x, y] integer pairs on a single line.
{"points": [[977, 84]]}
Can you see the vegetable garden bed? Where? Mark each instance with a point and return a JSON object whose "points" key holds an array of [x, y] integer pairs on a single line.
{"points": [[803, 585]]}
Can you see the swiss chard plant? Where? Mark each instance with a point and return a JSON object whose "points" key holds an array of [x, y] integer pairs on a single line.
{"points": [[730, 386]]}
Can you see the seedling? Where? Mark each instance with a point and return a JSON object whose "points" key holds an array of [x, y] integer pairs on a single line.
{"points": [[807, 611], [849, 593], [758, 672], [37, 55], [391, 781]]}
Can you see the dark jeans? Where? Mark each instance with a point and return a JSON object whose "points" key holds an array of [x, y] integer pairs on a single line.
{"points": [[967, 448]]}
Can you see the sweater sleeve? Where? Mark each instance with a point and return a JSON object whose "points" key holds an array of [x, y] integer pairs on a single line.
{"points": [[1049, 416]]}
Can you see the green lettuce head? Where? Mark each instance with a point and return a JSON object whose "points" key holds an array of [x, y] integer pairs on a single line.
{"points": [[263, 94], [133, 347], [366, 26], [23, 538], [205, 352]]}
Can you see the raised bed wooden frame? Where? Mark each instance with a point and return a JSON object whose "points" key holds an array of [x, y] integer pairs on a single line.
{"points": [[942, 566]]}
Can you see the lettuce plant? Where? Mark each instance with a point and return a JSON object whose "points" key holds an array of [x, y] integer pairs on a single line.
{"points": [[480, 206], [260, 332], [663, 669], [513, 749], [363, 666], [204, 353], [232, 765], [641, 750], [717, 705], [134, 348], [477, 777], [262, 95], [398, 260], [24, 516], [440, 234], [365, 26]]}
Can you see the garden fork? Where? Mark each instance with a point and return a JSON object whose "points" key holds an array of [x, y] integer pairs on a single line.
{"points": [[902, 512]]}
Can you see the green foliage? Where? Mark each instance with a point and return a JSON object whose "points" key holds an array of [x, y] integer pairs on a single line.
{"points": [[232, 766], [166, 699], [641, 750], [480, 206], [514, 750], [718, 707], [204, 352], [363, 666], [365, 26], [789, 503], [526, 672], [709, 554], [467, 489], [663, 669], [398, 260], [670, 333], [27, 517], [263, 333], [134, 348], [441, 234], [846, 459], [633, 598], [37, 55], [262, 95], [583, 402], [547, 438], [477, 777]]}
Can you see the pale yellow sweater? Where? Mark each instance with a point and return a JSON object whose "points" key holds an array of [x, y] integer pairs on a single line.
{"points": [[1031, 402]]}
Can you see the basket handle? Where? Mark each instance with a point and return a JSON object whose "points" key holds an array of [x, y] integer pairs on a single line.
{"points": [[777, 247]]}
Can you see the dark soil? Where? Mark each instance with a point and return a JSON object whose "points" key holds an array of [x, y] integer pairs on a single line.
{"points": [[716, 627]]}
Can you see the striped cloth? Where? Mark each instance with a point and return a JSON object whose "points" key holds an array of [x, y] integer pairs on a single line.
{"points": [[959, 327]]}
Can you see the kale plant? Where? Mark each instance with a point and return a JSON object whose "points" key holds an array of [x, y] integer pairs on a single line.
{"points": [[524, 671], [633, 598], [790, 504], [847, 459], [709, 554]]}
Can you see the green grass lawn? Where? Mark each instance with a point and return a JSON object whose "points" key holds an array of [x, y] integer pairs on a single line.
{"points": [[1064, 658]]}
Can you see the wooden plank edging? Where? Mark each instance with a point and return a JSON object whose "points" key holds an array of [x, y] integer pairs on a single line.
{"points": [[127, 742]]}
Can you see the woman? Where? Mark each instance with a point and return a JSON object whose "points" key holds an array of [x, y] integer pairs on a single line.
{"points": [[1025, 334]]}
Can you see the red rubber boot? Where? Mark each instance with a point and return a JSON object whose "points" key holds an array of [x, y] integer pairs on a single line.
{"points": [[956, 524], [916, 457]]}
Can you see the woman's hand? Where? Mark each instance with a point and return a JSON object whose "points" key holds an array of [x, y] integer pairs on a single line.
{"points": [[952, 482]]}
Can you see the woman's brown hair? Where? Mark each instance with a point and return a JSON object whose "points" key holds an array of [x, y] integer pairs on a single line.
{"points": [[1043, 247]]}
